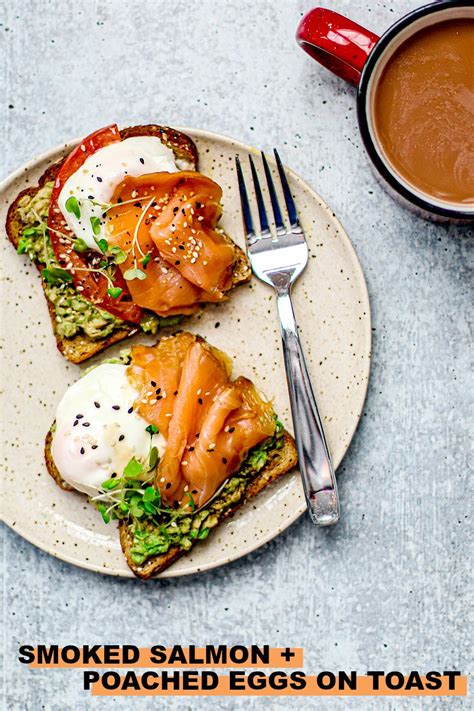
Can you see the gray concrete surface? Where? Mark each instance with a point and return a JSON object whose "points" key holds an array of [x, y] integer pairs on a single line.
{"points": [[386, 589]]}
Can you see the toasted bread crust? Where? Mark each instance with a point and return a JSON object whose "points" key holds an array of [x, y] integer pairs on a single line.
{"points": [[80, 347], [281, 461], [51, 466]]}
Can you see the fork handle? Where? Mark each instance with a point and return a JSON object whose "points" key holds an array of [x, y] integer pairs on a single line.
{"points": [[317, 472]]}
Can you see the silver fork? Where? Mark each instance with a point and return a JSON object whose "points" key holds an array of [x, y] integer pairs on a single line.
{"points": [[278, 260]]}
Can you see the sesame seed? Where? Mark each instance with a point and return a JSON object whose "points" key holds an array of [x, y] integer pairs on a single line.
{"points": [[130, 410], [97, 404], [121, 438], [82, 450], [86, 424], [115, 407]]}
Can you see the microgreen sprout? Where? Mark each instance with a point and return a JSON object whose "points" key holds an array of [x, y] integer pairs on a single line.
{"points": [[114, 291], [134, 273], [96, 225], [72, 206], [56, 275]]}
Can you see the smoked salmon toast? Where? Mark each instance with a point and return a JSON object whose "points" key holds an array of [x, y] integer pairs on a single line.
{"points": [[124, 231], [168, 443]]}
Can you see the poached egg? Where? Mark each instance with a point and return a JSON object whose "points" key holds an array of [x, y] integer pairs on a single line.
{"points": [[93, 184], [97, 430]]}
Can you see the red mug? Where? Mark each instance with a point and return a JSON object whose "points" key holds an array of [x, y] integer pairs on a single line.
{"points": [[359, 56]]}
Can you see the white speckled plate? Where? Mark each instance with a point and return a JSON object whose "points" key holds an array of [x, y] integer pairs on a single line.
{"points": [[332, 306]]}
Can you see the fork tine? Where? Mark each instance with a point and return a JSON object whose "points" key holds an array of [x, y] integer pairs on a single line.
{"points": [[262, 213], [290, 203], [273, 196], [244, 199]]}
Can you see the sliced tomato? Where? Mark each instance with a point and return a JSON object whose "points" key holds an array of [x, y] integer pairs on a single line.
{"points": [[91, 285]]}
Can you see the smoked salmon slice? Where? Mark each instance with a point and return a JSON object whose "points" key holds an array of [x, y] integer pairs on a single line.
{"points": [[238, 420], [155, 372], [165, 224], [210, 421], [203, 372]]}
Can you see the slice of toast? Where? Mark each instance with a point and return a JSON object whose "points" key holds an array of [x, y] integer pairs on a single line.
{"points": [[80, 347], [280, 461]]}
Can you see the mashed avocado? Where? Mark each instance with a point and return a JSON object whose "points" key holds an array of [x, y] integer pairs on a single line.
{"points": [[154, 534], [74, 314]]}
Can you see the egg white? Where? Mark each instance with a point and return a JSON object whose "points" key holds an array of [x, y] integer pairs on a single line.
{"points": [[97, 431]]}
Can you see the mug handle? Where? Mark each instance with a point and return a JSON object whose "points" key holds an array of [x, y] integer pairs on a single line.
{"points": [[336, 42]]}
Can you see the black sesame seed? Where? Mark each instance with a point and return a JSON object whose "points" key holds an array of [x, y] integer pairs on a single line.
{"points": [[152, 383], [90, 197], [181, 246], [168, 486], [159, 397], [177, 262], [142, 161], [115, 407], [191, 449], [158, 390], [99, 179], [130, 410], [82, 450], [97, 404], [137, 204], [175, 210], [76, 422], [197, 435], [224, 460], [217, 324], [94, 446], [79, 417], [231, 429], [175, 392], [121, 438], [113, 475], [200, 400], [119, 199], [194, 491], [86, 424]]}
